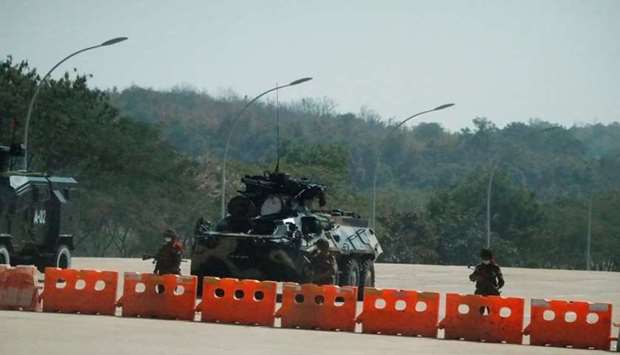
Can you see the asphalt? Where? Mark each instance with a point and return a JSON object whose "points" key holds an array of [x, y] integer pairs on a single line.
{"points": [[43, 333]]}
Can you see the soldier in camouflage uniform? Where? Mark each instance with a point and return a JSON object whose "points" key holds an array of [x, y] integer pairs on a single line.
{"points": [[324, 265], [168, 258], [487, 275]]}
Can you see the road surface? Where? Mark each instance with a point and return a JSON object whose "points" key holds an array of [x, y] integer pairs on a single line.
{"points": [[41, 333]]}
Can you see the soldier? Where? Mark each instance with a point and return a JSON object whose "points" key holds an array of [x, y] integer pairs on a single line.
{"points": [[241, 210], [487, 275], [324, 266], [168, 258]]}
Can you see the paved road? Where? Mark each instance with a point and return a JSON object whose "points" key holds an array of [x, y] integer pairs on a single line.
{"points": [[38, 333]]}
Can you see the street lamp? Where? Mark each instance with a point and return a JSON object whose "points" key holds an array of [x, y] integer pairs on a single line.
{"points": [[489, 191], [589, 234], [36, 91], [234, 125], [590, 165], [394, 128]]}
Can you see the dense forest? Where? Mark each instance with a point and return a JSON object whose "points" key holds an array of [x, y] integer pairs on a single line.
{"points": [[148, 159]]}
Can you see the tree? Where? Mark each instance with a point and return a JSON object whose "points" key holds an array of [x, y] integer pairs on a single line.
{"points": [[409, 239], [458, 214], [132, 182]]}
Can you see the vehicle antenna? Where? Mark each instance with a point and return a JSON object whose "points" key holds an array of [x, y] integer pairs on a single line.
{"points": [[13, 131], [277, 131]]}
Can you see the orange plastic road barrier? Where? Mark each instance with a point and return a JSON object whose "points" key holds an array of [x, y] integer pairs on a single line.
{"points": [[325, 307], [388, 311], [80, 291], [232, 301], [153, 296], [18, 288], [492, 319], [568, 323]]}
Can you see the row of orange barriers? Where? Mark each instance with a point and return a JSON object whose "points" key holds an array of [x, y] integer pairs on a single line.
{"points": [[308, 306]]}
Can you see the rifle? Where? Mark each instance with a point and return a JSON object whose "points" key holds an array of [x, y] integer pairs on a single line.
{"points": [[147, 257]]}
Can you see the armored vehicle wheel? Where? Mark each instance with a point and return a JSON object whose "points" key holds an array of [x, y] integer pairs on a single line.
{"points": [[5, 256], [368, 274], [62, 258], [350, 275]]}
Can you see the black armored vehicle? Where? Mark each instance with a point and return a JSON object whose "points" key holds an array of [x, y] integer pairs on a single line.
{"points": [[37, 214], [271, 230]]}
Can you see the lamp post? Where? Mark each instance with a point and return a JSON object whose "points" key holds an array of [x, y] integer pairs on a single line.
{"points": [[489, 191], [234, 125], [590, 165], [395, 128], [36, 91], [589, 235]]}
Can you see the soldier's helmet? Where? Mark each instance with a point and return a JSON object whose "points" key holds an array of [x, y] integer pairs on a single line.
{"points": [[322, 244], [486, 254], [171, 233]]}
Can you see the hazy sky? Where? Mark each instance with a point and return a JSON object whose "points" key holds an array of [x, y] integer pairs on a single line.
{"points": [[505, 60]]}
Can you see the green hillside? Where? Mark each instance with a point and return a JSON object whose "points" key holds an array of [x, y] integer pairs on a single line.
{"points": [[147, 159]]}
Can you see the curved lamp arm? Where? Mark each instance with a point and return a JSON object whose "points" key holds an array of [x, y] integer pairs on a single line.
{"points": [[38, 88], [234, 126], [377, 158]]}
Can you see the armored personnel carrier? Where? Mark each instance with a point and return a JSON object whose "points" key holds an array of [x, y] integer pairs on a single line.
{"points": [[37, 214], [271, 231]]}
